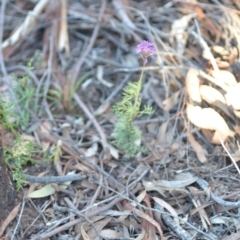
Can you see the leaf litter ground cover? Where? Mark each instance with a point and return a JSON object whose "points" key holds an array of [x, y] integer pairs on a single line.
{"points": [[65, 65]]}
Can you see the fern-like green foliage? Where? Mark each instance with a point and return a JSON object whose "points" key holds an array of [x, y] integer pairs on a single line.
{"points": [[125, 133], [17, 156]]}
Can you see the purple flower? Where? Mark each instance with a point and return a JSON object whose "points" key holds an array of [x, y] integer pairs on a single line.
{"points": [[146, 49]]}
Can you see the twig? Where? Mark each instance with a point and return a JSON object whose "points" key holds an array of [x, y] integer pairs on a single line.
{"points": [[19, 219], [203, 184], [79, 64], [114, 92], [92, 118], [160, 211], [207, 50], [100, 183], [54, 179], [74, 209], [89, 215], [233, 161]]}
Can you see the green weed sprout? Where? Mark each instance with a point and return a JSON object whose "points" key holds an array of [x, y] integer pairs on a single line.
{"points": [[18, 156], [127, 135]]}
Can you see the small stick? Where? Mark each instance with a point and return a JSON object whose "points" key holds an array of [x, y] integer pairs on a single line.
{"points": [[54, 179], [181, 232], [233, 161], [203, 184]]}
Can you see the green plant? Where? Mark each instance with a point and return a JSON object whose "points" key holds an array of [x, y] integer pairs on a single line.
{"points": [[17, 156], [24, 91], [127, 136]]}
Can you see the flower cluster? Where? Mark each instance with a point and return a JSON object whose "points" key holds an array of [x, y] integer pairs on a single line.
{"points": [[146, 49]]}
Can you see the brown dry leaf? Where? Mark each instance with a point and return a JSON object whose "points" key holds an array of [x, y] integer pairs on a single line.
{"points": [[211, 95], [45, 129], [113, 151], [207, 22], [151, 186], [182, 180], [214, 97], [216, 81], [217, 137], [225, 77], [84, 234], [99, 225], [167, 206], [91, 151], [141, 196], [198, 205], [171, 102], [162, 132], [208, 118], [128, 206], [197, 147], [9, 219], [150, 229], [110, 234], [192, 85]]}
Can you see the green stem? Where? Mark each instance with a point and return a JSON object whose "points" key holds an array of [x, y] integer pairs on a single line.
{"points": [[137, 95]]}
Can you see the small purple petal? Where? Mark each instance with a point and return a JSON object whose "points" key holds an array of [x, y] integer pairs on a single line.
{"points": [[146, 47]]}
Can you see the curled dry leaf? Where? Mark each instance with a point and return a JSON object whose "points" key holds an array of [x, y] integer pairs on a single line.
{"points": [[197, 148], [9, 219], [151, 186], [208, 118], [167, 206], [216, 81], [181, 180], [83, 232], [113, 151], [171, 102], [192, 85], [226, 78], [214, 97], [141, 196], [100, 71], [128, 206], [211, 95], [91, 151]]}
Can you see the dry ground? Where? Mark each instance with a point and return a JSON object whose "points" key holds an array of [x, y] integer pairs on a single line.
{"points": [[83, 53]]}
